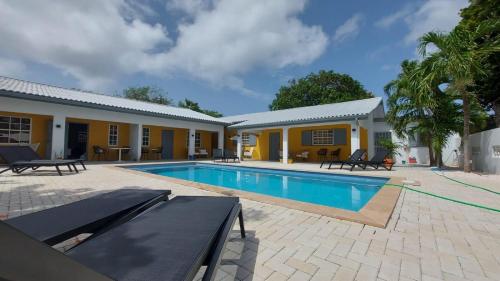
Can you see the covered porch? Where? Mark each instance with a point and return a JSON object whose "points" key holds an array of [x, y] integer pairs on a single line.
{"points": [[312, 143]]}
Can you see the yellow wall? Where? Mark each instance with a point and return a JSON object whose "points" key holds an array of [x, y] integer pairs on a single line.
{"points": [[363, 139], [228, 143], [261, 149], [39, 129], [206, 141], [98, 135], [180, 141]]}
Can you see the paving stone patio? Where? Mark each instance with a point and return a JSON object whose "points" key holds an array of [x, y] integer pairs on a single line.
{"points": [[426, 239]]}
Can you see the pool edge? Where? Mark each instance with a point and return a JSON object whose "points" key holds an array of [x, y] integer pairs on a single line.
{"points": [[376, 212]]}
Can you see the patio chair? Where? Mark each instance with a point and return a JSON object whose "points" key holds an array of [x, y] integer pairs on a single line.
{"points": [[230, 154], [201, 153], [248, 154], [334, 156], [55, 225], [303, 156], [321, 153], [378, 160], [357, 155], [218, 154], [158, 151], [144, 153], [21, 158], [170, 241], [98, 152]]}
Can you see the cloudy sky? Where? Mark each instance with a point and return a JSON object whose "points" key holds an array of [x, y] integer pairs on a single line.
{"points": [[229, 55]]}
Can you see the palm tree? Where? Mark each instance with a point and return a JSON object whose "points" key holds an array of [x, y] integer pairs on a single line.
{"points": [[458, 58], [431, 114]]}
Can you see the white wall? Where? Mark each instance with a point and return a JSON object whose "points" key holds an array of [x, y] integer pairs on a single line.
{"points": [[451, 151], [483, 156]]}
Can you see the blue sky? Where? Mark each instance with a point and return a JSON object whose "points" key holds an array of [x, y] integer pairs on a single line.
{"points": [[229, 55]]}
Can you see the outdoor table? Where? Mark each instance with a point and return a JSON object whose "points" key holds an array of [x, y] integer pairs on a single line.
{"points": [[119, 151]]}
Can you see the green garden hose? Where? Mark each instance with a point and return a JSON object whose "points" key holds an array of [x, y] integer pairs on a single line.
{"points": [[468, 184], [445, 198]]}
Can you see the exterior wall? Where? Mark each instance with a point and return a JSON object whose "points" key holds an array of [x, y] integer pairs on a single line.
{"points": [[180, 141], [261, 149], [61, 113], [39, 129], [206, 141], [364, 139], [98, 135], [485, 151]]}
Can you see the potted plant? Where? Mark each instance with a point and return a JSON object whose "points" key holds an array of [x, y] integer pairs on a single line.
{"points": [[392, 149]]}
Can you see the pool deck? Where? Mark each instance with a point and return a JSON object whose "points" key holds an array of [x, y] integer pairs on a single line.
{"points": [[426, 238]]}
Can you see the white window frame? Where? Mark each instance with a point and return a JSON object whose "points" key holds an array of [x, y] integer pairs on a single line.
{"points": [[20, 130], [320, 137], [245, 138], [197, 140], [146, 137], [109, 135]]}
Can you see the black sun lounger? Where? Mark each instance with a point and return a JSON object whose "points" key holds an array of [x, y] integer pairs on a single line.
{"points": [[218, 154], [357, 155], [378, 160], [21, 158], [58, 224], [229, 154], [170, 241]]}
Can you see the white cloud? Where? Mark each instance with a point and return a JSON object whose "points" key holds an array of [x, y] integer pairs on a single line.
{"points": [[236, 36], [97, 41], [11, 68], [434, 15], [90, 40], [431, 15], [389, 20], [349, 29]]}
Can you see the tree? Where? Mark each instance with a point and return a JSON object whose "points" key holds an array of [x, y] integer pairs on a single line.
{"points": [[148, 94], [458, 58], [486, 87], [186, 103], [321, 88]]}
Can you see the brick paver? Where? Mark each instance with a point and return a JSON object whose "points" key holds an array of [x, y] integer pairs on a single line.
{"points": [[426, 239]]}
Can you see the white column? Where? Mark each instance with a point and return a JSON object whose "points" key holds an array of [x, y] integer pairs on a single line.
{"points": [[238, 145], [135, 141], [285, 145], [58, 136], [192, 137], [355, 136], [220, 139], [371, 136]]}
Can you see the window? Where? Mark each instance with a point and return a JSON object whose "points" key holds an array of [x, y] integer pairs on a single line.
{"points": [[15, 129], [145, 136], [322, 137], [113, 135], [379, 136], [197, 140], [245, 138]]}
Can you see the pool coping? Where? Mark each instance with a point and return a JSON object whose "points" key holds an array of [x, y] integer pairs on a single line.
{"points": [[376, 212]]}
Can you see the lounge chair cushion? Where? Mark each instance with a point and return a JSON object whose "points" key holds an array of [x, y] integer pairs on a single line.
{"points": [[169, 242], [57, 224]]}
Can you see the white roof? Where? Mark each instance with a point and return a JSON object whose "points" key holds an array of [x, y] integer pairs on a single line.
{"points": [[24, 89], [308, 114]]}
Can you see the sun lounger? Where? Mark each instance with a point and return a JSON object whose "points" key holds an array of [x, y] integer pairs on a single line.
{"points": [[357, 155], [218, 154], [229, 154], [21, 158], [169, 241], [58, 224], [378, 160]]}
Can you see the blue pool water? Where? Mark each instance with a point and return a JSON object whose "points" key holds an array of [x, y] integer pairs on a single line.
{"points": [[339, 191]]}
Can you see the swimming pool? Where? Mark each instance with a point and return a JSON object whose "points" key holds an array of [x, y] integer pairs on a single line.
{"points": [[338, 191]]}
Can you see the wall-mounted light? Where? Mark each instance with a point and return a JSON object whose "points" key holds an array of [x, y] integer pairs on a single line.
{"points": [[58, 126], [354, 129]]}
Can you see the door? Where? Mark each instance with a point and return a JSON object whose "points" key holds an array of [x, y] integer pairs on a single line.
{"points": [[167, 144], [76, 140], [274, 146]]}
